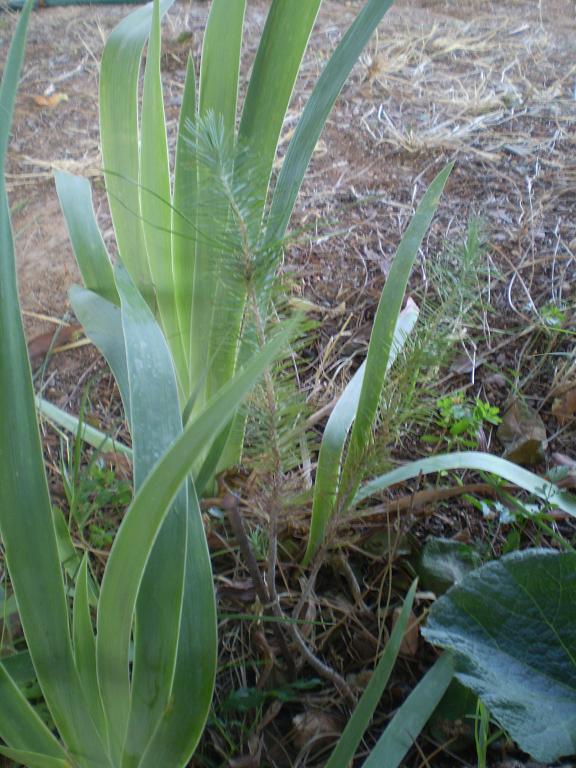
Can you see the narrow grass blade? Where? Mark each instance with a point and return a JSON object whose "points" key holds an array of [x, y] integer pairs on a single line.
{"points": [[85, 646], [102, 323], [75, 198], [120, 137], [343, 753], [152, 381], [184, 213], [20, 726], [406, 725], [139, 529], [221, 60], [481, 462], [385, 321], [315, 114], [24, 499], [282, 46], [34, 759], [88, 434], [156, 199], [331, 449]]}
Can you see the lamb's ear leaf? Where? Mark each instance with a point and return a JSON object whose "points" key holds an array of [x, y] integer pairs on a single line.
{"points": [[511, 625]]}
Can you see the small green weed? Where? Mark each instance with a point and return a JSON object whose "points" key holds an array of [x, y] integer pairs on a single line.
{"points": [[461, 421], [93, 490]]}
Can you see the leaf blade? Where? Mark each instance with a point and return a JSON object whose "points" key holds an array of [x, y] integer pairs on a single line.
{"points": [[347, 745], [412, 716]]}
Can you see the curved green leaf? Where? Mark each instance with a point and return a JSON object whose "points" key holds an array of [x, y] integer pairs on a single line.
{"points": [[389, 305], [119, 134], [282, 46], [183, 214], [512, 626], [85, 646], [406, 725], [102, 323], [139, 529], [88, 434], [183, 721], [24, 499], [156, 199], [34, 759], [347, 745], [221, 60], [482, 462], [152, 381], [20, 726], [75, 198], [329, 460]]}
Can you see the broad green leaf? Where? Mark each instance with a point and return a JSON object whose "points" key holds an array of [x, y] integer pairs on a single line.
{"points": [[20, 726], [406, 725], [102, 323], [380, 345], [343, 753], [34, 759], [282, 46], [334, 437], [511, 624], [25, 503], [152, 382], [156, 199], [88, 434], [221, 60], [85, 646], [481, 462], [134, 541], [184, 214], [316, 112], [75, 198], [120, 138]]}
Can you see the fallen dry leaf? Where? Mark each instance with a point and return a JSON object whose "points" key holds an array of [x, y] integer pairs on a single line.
{"points": [[523, 434], [314, 727], [564, 408], [50, 101], [39, 346]]}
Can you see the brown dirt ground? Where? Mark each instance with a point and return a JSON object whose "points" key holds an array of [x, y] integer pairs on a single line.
{"points": [[490, 85]]}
